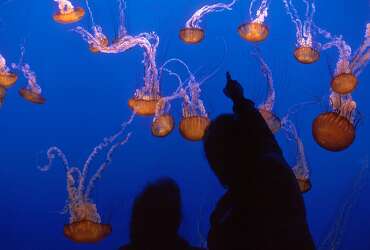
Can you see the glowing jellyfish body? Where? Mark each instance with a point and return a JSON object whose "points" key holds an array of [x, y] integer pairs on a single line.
{"points": [[163, 125], [348, 68], [265, 109], [192, 33], [300, 169], [7, 78], [32, 92], [306, 52], [255, 30], [336, 130], [85, 223], [67, 13]]}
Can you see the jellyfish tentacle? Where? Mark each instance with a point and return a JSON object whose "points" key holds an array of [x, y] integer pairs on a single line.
{"points": [[261, 13], [52, 153]]}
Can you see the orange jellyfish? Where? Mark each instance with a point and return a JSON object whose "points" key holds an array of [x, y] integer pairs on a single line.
{"points": [[255, 30], [267, 106], [32, 92], [163, 122], [300, 169], [85, 224], [306, 51], [193, 33], [348, 68], [194, 121], [336, 130], [7, 78], [67, 13]]}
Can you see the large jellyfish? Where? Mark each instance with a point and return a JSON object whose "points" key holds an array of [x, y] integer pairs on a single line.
{"points": [[192, 33], [85, 224], [256, 30], [32, 92], [348, 67], [145, 99], [306, 51], [333, 238], [7, 78], [67, 13], [300, 169], [335, 130], [267, 106]]}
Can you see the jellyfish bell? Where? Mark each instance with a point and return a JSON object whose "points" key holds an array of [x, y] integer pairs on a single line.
{"points": [[104, 42], [162, 125], [333, 132], [31, 96], [72, 16], [306, 55], [145, 106], [304, 184], [7, 79], [193, 127], [191, 35], [253, 31], [86, 231], [273, 122], [344, 83]]}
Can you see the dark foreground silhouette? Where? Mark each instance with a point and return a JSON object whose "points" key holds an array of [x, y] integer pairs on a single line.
{"points": [[263, 208], [156, 218]]}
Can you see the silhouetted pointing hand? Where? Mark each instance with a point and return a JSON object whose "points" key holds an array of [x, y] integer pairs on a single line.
{"points": [[233, 89]]}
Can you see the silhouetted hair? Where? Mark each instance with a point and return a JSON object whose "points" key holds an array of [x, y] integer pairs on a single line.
{"points": [[233, 146], [156, 214]]}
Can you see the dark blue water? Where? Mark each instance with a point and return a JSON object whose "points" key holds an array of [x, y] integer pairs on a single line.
{"points": [[87, 100]]}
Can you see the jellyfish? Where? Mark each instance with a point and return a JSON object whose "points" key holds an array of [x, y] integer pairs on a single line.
{"points": [[267, 106], [333, 238], [306, 51], [348, 68], [32, 92], [300, 169], [336, 130], [192, 33], [256, 30], [85, 225], [67, 13], [194, 120], [7, 78]]}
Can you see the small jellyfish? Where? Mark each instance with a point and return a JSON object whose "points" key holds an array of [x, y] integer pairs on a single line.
{"points": [[163, 122], [306, 51], [255, 30], [265, 109], [67, 13], [336, 130], [300, 169], [7, 78], [85, 224], [194, 121], [192, 33], [348, 68], [32, 92]]}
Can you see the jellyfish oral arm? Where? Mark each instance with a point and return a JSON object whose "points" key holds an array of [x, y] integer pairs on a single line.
{"points": [[271, 95], [261, 13], [196, 19], [65, 6]]}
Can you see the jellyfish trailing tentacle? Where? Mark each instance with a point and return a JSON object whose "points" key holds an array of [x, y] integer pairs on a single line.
{"points": [[192, 33], [306, 51], [67, 13], [256, 30], [362, 55], [301, 168], [266, 108], [7, 78], [85, 224], [333, 239]]}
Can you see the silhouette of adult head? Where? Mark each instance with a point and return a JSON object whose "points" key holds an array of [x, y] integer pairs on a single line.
{"points": [[234, 143]]}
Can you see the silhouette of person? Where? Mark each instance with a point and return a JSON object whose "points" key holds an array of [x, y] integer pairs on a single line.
{"points": [[156, 218], [262, 208]]}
